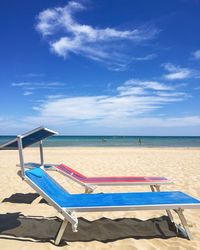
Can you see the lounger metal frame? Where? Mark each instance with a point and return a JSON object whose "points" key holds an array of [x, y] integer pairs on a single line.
{"points": [[20, 147]]}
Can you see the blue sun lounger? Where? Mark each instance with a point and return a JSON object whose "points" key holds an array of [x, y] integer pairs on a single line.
{"points": [[67, 204]]}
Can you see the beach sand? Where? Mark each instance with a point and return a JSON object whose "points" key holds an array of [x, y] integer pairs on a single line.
{"points": [[182, 165]]}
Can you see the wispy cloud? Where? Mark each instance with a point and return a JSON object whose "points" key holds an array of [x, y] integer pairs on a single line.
{"points": [[150, 122], [11, 125], [134, 104], [134, 99], [176, 72], [196, 54], [66, 36], [153, 125], [34, 75], [54, 96], [27, 93], [141, 86], [28, 88], [145, 58], [37, 84]]}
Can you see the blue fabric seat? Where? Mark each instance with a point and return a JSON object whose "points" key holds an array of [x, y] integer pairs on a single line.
{"points": [[67, 200]]}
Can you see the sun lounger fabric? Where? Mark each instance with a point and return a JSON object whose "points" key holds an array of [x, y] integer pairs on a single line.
{"points": [[64, 199], [112, 179], [46, 183]]}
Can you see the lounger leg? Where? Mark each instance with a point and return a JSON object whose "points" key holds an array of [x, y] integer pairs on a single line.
{"points": [[89, 190], [182, 218], [170, 215], [61, 232], [157, 187], [152, 188]]}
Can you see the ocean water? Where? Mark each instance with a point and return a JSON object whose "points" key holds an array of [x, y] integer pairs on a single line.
{"points": [[117, 141]]}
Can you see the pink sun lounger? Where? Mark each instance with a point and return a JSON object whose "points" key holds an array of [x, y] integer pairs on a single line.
{"points": [[38, 134], [89, 182]]}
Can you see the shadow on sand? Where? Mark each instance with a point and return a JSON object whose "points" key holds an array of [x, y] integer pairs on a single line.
{"points": [[23, 198], [105, 230]]}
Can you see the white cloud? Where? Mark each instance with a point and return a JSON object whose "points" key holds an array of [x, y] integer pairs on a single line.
{"points": [[155, 122], [27, 93], [10, 125], [135, 106], [176, 72], [37, 84], [34, 75], [176, 94], [134, 100], [28, 88], [180, 125], [196, 54], [54, 96], [145, 58], [66, 35], [141, 87], [148, 84]]}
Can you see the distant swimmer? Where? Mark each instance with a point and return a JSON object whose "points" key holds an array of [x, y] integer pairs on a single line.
{"points": [[104, 140], [140, 141]]}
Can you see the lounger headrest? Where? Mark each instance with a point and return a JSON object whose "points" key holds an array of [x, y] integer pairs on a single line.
{"points": [[36, 172]]}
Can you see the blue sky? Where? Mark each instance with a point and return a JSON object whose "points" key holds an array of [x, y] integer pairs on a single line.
{"points": [[100, 67]]}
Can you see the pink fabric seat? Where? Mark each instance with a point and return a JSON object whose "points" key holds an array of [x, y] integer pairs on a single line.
{"points": [[111, 179]]}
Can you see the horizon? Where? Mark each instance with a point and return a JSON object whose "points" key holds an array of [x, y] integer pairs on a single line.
{"points": [[59, 135], [100, 68]]}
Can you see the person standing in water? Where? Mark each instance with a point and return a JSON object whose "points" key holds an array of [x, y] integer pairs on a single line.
{"points": [[139, 141]]}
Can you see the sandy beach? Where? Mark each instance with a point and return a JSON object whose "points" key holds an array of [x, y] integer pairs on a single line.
{"points": [[182, 165]]}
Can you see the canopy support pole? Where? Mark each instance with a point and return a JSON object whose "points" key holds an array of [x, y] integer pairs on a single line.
{"points": [[21, 158], [41, 154]]}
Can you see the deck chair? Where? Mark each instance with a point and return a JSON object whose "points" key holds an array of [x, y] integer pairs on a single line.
{"points": [[67, 204], [89, 183]]}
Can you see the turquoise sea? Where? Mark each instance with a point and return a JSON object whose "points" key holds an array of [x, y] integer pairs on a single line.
{"points": [[118, 141]]}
